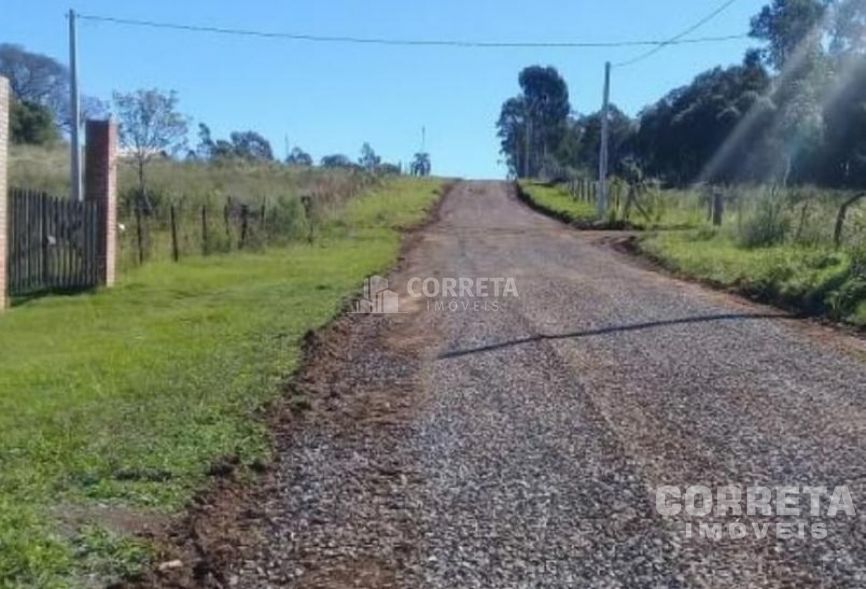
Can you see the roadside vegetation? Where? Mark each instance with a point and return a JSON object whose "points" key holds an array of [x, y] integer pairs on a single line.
{"points": [[555, 200], [773, 148], [811, 279], [778, 246], [115, 404], [215, 186]]}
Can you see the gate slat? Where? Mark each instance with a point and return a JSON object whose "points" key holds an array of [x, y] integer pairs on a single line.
{"points": [[64, 275], [26, 235]]}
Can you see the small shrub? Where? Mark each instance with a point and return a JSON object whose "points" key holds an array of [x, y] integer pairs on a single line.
{"points": [[706, 233], [769, 226], [858, 260], [844, 302], [287, 220]]}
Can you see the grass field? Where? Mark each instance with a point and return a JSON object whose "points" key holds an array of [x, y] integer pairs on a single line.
{"points": [[113, 404]]}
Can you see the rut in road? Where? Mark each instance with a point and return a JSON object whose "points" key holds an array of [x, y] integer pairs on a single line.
{"points": [[519, 445]]}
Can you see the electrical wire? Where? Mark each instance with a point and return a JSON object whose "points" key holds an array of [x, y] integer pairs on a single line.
{"points": [[677, 39], [657, 45]]}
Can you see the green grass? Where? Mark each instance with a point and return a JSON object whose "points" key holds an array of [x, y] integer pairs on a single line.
{"points": [[812, 279], [556, 201], [117, 401]]}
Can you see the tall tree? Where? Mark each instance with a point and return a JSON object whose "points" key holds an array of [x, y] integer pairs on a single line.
{"points": [[251, 146], [31, 123], [679, 135], [32, 77], [789, 27], [299, 157], [337, 160], [421, 165], [150, 125], [512, 129], [536, 119], [206, 145], [39, 79], [794, 31], [621, 136], [368, 160]]}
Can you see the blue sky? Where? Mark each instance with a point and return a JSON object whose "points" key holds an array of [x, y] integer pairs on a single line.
{"points": [[329, 98]]}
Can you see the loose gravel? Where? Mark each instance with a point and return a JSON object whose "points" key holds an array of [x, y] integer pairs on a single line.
{"points": [[520, 446]]}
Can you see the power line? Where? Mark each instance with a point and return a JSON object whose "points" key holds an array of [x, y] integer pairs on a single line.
{"points": [[677, 39], [680, 40]]}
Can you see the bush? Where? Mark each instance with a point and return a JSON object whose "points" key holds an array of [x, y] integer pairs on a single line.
{"points": [[706, 233], [31, 123], [287, 220], [844, 302], [858, 260], [767, 227]]}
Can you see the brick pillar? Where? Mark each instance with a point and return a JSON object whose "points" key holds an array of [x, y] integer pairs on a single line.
{"points": [[4, 193], [100, 185]]}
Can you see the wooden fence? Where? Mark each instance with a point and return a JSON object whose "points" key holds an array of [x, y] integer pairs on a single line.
{"points": [[53, 243], [582, 189]]}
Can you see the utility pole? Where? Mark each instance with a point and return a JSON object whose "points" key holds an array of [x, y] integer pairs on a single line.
{"points": [[74, 114], [603, 155], [528, 144]]}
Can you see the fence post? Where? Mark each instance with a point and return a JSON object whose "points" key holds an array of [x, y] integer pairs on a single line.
{"points": [[226, 213], [4, 191], [175, 247], [101, 187], [245, 214], [139, 233], [718, 207], [205, 250]]}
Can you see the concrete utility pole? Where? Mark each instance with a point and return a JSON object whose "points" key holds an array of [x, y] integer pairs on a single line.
{"points": [[74, 113], [602, 156]]}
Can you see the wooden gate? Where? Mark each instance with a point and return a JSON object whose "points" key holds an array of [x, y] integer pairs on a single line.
{"points": [[53, 243]]}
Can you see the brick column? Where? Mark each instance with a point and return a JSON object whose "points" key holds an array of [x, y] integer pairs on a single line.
{"points": [[100, 185], [4, 192]]}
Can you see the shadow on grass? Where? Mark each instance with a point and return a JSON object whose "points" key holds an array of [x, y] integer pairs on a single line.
{"points": [[23, 299], [620, 329]]}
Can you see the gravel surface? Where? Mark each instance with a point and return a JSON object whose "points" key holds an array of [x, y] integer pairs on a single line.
{"points": [[520, 444]]}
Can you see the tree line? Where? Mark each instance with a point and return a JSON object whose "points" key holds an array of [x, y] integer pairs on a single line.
{"points": [[793, 111]]}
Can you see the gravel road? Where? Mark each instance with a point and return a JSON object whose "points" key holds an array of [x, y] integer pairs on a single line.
{"points": [[518, 442]]}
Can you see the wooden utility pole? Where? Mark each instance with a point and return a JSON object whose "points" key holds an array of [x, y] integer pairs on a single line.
{"points": [[74, 113], [603, 155]]}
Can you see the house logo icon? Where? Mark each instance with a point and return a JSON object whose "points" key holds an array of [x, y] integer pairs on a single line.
{"points": [[377, 298]]}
